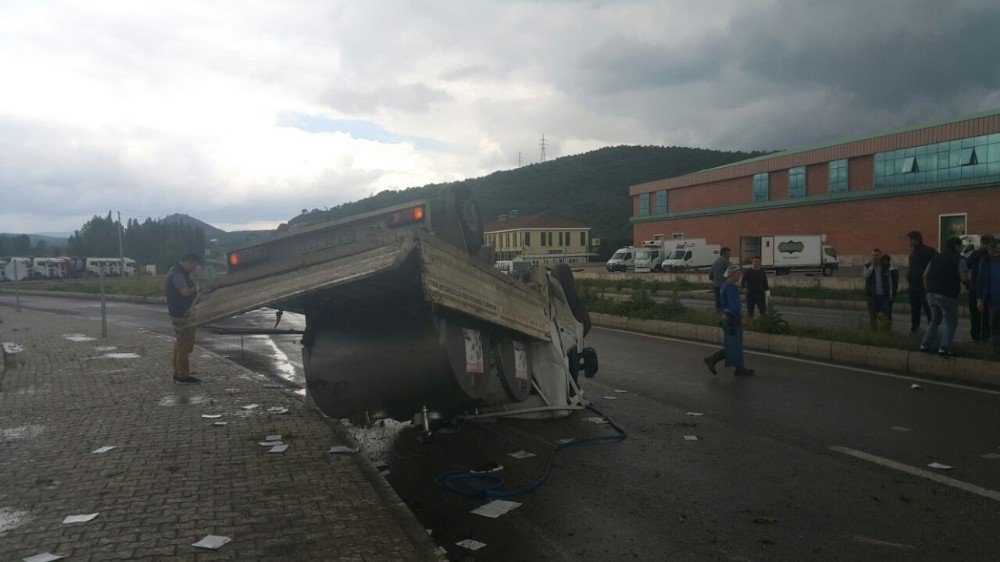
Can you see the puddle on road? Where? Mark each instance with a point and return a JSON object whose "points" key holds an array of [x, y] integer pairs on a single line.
{"points": [[183, 399], [21, 433], [11, 518]]}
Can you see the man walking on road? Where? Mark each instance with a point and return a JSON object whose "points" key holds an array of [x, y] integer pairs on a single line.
{"points": [[920, 256], [732, 326], [181, 291], [718, 275], [944, 277], [980, 322]]}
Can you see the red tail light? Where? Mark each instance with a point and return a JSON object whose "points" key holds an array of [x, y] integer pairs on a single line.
{"points": [[234, 259], [407, 216]]}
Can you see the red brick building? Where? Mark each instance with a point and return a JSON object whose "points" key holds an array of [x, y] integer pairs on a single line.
{"points": [[941, 179]]}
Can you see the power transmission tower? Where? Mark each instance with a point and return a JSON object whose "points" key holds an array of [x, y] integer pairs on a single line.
{"points": [[541, 145]]}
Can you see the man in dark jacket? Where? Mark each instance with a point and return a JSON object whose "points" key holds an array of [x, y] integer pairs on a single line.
{"points": [[943, 278], [920, 256], [181, 291], [755, 284], [881, 282], [980, 322], [988, 290], [732, 326]]}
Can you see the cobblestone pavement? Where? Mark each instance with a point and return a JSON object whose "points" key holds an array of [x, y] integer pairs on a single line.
{"points": [[174, 476]]}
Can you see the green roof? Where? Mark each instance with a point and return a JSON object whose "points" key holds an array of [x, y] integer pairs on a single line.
{"points": [[977, 115]]}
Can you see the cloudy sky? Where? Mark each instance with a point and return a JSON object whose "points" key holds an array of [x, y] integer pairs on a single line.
{"points": [[244, 113]]}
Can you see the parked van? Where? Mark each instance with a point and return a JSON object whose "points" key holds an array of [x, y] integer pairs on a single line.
{"points": [[622, 260], [650, 256], [512, 267], [690, 255]]}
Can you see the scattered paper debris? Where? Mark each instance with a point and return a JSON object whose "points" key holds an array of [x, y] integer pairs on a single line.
{"points": [[940, 466], [122, 355], [221, 423], [103, 449], [690, 437], [611, 398], [471, 544], [78, 338], [342, 449], [10, 348], [269, 443], [211, 416], [250, 406], [495, 508], [278, 449], [441, 550], [620, 390], [597, 420], [899, 428], [272, 386], [566, 440], [232, 390], [916, 386], [521, 454], [273, 438], [991, 456], [212, 542], [105, 348], [79, 518], [277, 410], [43, 557], [695, 414], [384, 472]]}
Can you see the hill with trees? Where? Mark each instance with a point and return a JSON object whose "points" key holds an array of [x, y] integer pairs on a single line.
{"points": [[591, 188]]}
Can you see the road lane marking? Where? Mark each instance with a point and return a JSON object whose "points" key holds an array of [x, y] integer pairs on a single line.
{"points": [[877, 542], [889, 463], [813, 362]]}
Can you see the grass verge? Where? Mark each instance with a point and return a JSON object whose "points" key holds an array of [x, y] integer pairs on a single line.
{"points": [[142, 286]]}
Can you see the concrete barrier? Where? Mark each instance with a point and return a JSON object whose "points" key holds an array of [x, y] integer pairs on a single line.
{"points": [[898, 360]]}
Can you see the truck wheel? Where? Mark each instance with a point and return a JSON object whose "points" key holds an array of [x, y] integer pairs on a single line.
{"points": [[455, 218], [827, 271]]}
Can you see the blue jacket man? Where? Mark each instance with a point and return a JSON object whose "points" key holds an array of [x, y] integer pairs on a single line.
{"points": [[988, 290], [181, 290], [732, 325]]}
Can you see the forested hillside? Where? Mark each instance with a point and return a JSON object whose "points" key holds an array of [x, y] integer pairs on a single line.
{"points": [[591, 188]]}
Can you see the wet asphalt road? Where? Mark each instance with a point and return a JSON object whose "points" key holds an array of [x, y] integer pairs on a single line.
{"points": [[774, 474]]}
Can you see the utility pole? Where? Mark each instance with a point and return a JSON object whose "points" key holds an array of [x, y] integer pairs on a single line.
{"points": [[121, 251], [541, 145], [518, 158]]}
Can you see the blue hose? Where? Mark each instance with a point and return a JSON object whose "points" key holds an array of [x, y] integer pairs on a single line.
{"points": [[490, 484]]}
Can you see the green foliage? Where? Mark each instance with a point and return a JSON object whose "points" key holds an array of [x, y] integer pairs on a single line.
{"points": [[638, 305], [20, 245], [142, 286], [591, 188], [771, 322], [151, 242]]}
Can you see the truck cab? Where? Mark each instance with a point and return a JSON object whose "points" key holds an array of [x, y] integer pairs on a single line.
{"points": [[649, 257], [691, 255], [622, 260]]}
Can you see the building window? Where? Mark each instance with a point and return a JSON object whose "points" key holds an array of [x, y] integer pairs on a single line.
{"points": [[910, 165], [643, 204], [837, 182], [760, 188], [968, 157], [961, 159], [527, 239], [566, 237], [583, 239], [797, 182], [661, 202]]}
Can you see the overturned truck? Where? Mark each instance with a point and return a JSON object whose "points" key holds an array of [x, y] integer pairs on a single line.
{"points": [[405, 315]]}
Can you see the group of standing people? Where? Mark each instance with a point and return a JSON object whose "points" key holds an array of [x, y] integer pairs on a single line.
{"points": [[935, 284]]}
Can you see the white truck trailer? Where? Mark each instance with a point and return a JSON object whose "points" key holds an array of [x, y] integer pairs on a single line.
{"points": [[786, 254], [649, 257]]}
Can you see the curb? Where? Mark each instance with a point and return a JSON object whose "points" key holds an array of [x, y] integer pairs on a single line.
{"points": [[961, 369], [95, 296]]}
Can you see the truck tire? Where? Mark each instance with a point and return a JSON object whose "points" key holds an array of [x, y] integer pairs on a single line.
{"points": [[564, 275], [827, 271], [455, 218]]}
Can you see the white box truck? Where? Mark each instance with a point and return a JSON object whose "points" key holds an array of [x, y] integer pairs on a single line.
{"points": [[622, 260], [790, 253], [690, 254], [649, 257]]}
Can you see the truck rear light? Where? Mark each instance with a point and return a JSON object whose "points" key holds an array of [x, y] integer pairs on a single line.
{"points": [[406, 216], [246, 256]]}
